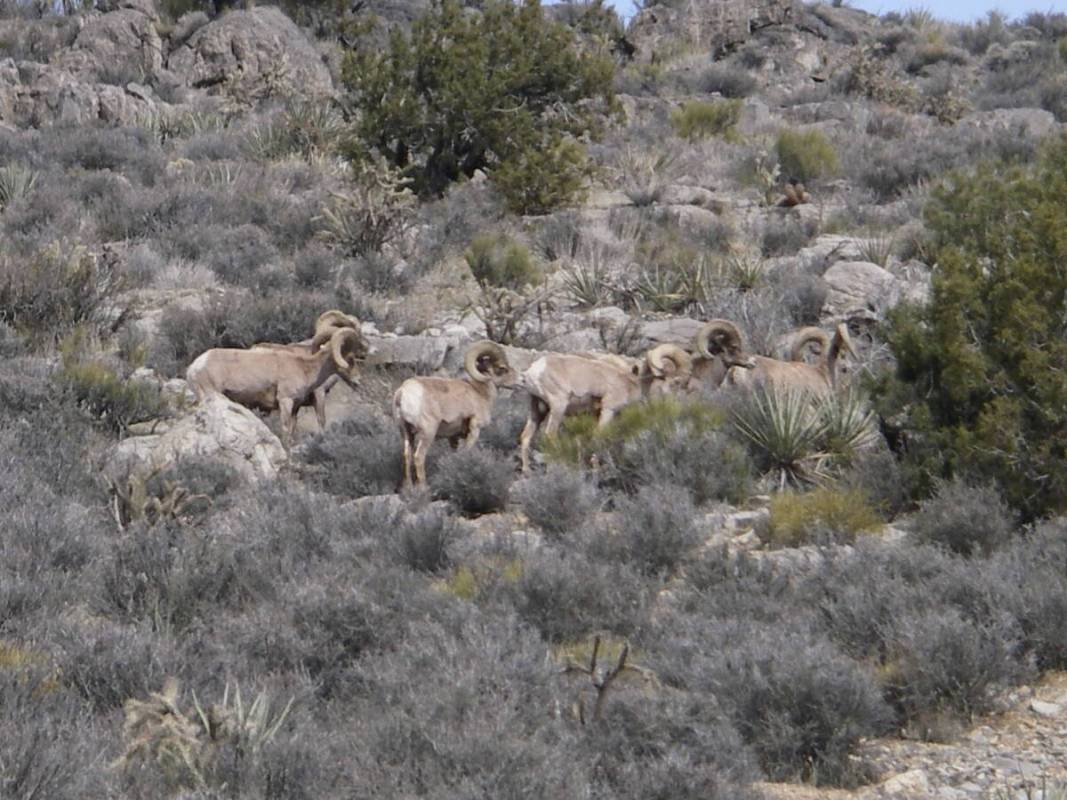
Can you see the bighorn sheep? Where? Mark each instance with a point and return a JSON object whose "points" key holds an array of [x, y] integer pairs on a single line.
{"points": [[710, 368], [449, 408], [819, 379], [325, 326], [561, 384], [279, 379]]}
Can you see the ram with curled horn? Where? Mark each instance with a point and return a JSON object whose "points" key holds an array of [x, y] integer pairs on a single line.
{"points": [[722, 359], [563, 384], [325, 326], [282, 379], [426, 409]]}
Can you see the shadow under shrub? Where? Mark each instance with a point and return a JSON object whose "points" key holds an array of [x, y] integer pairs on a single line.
{"points": [[474, 480]]}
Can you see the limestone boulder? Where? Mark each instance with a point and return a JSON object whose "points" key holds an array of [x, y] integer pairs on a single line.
{"points": [[860, 288], [218, 430], [708, 25], [124, 42], [260, 51]]}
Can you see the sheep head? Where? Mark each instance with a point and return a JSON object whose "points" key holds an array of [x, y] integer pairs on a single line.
{"points": [[348, 350], [328, 323], [668, 368], [486, 362], [728, 344]]}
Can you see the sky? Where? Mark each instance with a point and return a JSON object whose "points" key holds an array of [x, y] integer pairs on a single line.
{"points": [[953, 10]]}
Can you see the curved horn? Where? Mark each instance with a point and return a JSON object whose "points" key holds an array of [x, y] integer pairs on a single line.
{"points": [[336, 319], [806, 336], [730, 334], [841, 343], [346, 347], [659, 356], [475, 352]]}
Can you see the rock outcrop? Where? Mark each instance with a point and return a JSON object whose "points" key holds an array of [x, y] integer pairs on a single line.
{"points": [[217, 430], [261, 48], [715, 25]]}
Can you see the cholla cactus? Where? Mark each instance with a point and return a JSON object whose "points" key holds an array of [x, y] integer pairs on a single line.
{"points": [[766, 171]]}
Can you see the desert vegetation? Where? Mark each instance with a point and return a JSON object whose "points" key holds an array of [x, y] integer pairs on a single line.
{"points": [[750, 354]]}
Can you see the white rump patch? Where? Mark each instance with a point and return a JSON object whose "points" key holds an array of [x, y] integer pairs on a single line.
{"points": [[411, 401]]}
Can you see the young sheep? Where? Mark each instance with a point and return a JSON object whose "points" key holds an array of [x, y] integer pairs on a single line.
{"points": [[276, 379], [449, 408], [563, 384]]}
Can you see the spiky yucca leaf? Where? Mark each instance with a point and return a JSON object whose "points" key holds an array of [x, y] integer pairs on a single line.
{"points": [[15, 181], [848, 424], [786, 431]]}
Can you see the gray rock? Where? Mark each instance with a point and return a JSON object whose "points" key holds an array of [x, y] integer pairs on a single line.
{"points": [[218, 429], [1035, 121], [704, 24], [677, 330], [913, 783], [1044, 709], [859, 286], [606, 198], [678, 195], [261, 48], [424, 354], [123, 42]]}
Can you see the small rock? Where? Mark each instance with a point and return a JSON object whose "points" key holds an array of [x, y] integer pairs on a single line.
{"points": [[1044, 709], [912, 782], [746, 541]]}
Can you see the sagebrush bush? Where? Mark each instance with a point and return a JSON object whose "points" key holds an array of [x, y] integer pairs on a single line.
{"points": [[497, 260], [475, 481], [806, 155], [700, 120], [568, 596], [822, 515], [656, 529], [965, 519], [360, 456], [559, 500], [423, 540], [728, 81]]}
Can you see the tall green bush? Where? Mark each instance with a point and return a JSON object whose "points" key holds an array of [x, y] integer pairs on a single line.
{"points": [[806, 155], [469, 90], [982, 368]]}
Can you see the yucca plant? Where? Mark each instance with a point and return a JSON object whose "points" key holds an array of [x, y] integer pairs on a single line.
{"points": [[848, 424], [787, 433], [586, 282], [877, 249], [746, 271], [15, 181], [247, 727]]}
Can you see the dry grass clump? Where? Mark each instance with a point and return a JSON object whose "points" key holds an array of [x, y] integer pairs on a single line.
{"points": [[823, 515]]}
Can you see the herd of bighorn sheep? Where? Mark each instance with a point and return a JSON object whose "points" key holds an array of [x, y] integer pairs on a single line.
{"points": [[287, 377]]}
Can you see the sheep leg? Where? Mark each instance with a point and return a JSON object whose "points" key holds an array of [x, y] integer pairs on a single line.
{"points": [[318, 397], [408, 456], [422, 446], [533, 422], [288, 418], [472, 434]]}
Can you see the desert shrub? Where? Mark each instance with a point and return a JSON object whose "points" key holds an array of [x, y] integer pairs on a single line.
{"points": [[870, 76], [784, 432], [375, 210], [49, 741], [939, 661], [804, 297], [978, 37], [1053, 97], [728, 81], [878, 476], [966, 519], [360, 456], [657, 529], [60, 288], [1032, 570], [16, 181], [806, 155], [423, 540], [497, 260], [450, 87], [934, 52], [474, 480], [785, 236], [973, 396], [824, 514], [543, 179], [700, 120], [130, 151], [108, 666], [558, 501], [566, 596], [110, 400], [707, 463], [797, 701], [236, 255]]}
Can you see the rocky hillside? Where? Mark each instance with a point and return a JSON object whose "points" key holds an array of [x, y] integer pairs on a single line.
{"points": [[721, 595]]}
